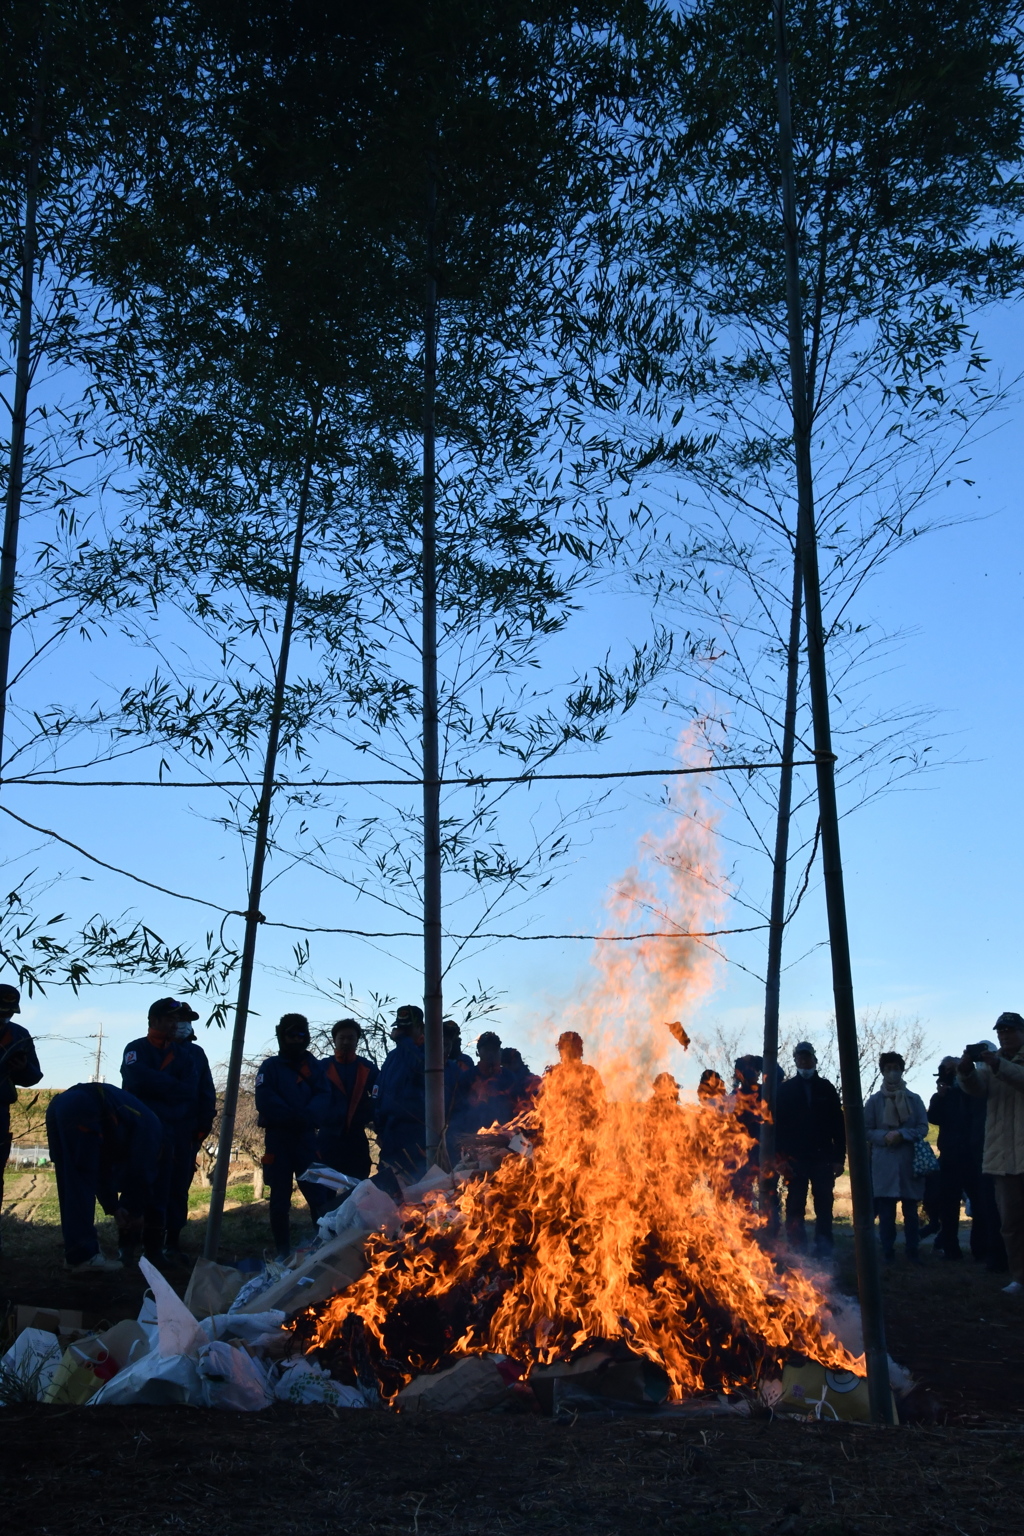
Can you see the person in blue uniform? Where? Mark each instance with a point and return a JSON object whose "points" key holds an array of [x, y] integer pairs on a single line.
{"points": [[164, 1076], [292, 1100], [351, 1079], [105, 1146], [399, 1111], [184, 1170], [19, 1068]]}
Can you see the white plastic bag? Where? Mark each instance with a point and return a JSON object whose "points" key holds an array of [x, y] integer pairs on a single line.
{"points": [[155, 1379], [300, 1381], [367, 1207], [231, 1378], [178, 1331], [29, 1366]]}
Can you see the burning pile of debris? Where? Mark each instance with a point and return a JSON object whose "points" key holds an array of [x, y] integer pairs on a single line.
{"points": [[594, 1233]]}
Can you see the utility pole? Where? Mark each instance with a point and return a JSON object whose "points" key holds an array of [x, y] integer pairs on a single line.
{"points": [[433, 1003], [97, 1075], [253, 915], [869, 1280], [777, 919], [19, 413]]}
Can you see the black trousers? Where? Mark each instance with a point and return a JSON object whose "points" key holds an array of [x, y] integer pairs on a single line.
{"points": [[803, 1174], [885, 1210]]}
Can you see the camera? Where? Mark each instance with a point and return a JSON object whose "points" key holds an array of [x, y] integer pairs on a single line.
{"points": [[976, 1053]]}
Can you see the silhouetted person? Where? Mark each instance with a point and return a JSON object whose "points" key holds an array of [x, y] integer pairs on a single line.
{"points": [[292, 1099], [810, 1144], [960, 1117], [526, 1084], [105, 1147], [19, 1067], [711, 1090], [351, 1079], [163, 1073], [399, 1114], [184, 1170]]}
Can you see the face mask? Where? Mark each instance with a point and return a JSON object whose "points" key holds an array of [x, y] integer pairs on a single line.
{"points": [[807, 1071], [182, 1030], [294, 1045], [892, 1075]]}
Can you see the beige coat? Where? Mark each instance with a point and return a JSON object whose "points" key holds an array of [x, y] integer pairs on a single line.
{"points": [[1004, 1120]]}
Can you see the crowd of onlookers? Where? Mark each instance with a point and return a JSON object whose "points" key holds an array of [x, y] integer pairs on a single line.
{"points": [[134, 1148]]}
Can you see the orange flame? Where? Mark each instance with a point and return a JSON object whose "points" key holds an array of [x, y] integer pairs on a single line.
{"points": [[624, 1222]]}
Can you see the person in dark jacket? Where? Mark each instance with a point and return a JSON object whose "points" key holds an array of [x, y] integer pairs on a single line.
{"points": [[292, 1101], [525, 1084], [457, 1066], [206, 1111], [105, 1146], [399, 1114], [810, 1143], [164, 1076], [745, 1104], [955, 1114], [19, 1068], [351, 1079], [487, 1094]]}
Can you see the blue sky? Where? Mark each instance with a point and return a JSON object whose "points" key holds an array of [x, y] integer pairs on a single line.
{"points": [[934, 872]]}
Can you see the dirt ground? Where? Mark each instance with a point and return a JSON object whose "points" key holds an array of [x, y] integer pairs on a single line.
{"points": [[309, 1469]]}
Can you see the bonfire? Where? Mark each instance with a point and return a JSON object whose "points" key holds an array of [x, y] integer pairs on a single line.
{"points": [[616, 1222]]}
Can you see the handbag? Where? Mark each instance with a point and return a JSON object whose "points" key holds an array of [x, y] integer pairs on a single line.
{"points": [[925, 1161]]}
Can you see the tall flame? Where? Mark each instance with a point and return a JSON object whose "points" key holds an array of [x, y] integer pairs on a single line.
{"points": [[627, 1221]]}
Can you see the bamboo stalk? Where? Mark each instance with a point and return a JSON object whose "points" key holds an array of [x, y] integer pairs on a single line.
{"points": [[777, 917], [433, 1003], [19, 413], [869, 1280], [253, 916]]}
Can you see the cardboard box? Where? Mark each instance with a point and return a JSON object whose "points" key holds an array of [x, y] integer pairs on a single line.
{"points": [[330, 1269], [631, 1379], [48, 1318], [471, 1386]]}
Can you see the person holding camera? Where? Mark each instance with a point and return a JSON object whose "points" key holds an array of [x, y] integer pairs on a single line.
{"points": [[998, 1077], [895, 1120]]}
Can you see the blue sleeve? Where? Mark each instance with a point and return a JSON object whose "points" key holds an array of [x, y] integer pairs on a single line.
{"points": [[28, 1075], [206, 1109]]}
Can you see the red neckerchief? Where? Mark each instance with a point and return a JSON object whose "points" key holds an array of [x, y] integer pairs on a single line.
{"points": [[358, 1087]]}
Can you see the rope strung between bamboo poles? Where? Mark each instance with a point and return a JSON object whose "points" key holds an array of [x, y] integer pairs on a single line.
{"points": [[479, 781]]}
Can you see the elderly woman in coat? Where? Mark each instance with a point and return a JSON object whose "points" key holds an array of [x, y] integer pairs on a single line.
{"points": [[896, 1120]]}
